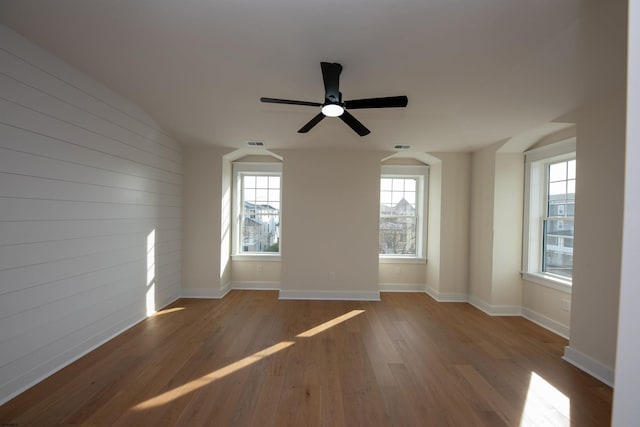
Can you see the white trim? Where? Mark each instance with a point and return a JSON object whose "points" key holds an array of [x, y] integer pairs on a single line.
{"points": [[495, 310], [446, 296], [205, 292], [591, 366], [566, 146], [417, 170], [331, 295], [137, 320], [252, 257], [268, 167], [546, 322], [548, 281], [401, 287], [256, 286], [399, 259]]}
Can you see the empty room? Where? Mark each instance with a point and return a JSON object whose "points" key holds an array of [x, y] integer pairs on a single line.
{"points": [[289, 213]]}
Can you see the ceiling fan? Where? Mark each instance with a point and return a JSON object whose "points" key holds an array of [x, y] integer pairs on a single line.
{"points": [[333, 105]]}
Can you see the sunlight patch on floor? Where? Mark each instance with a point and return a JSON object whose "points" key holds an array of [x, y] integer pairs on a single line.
{"points": [[331, 323], [209, 378], [205, 380], [545, 405]]}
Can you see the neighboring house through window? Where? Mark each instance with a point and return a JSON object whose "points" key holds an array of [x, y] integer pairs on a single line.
{"points": [[402, 233], [257, 198], [549, 212]]}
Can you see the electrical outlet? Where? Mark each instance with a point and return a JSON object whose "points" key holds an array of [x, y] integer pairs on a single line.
{"points": [[332, 275], [566, 305], [259, 267]]}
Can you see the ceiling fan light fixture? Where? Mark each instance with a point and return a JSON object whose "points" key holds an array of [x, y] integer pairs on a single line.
{"points": [[332, 110]]}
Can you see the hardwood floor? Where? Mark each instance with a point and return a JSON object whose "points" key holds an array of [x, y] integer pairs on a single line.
{"points": [[251, 359]]}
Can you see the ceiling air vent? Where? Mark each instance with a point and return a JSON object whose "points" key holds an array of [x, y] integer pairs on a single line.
{"points": [[255, 144], [401, 147]]}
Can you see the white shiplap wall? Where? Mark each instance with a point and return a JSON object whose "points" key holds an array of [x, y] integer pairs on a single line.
{"points": [[85, 178]]}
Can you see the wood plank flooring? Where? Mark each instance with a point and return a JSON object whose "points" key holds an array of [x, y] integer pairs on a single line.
{"points": [[253, 360]]}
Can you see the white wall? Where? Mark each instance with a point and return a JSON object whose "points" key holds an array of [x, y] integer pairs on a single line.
{"points": [[496, 230], [481, 225], [600, 160], [85, 179], [544, 305], [330, 216], [202, 221], [598, 235], [448, 234], [507, 226], [626, 410]]}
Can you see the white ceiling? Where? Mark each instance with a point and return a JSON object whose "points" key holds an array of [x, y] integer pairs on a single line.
{"points": [[475, 72]]}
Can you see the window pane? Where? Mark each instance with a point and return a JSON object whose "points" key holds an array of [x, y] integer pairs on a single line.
{"points": [[558, 247], [274, 182], [261, 196], [249, 181], [411, 198], [571, 186], [398, 235], [396, 197], [558, 172], [409, 185], [385, 197], [260, 234], [556, 188], [399, 217], [250, 194], [262, 182], [260, 219]]}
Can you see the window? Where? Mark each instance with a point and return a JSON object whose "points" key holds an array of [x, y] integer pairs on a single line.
{"points": [[402, 219], [257, 199], [557, 248], [549, 211]]}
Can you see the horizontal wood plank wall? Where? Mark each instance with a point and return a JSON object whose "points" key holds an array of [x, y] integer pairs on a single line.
{"points": [[89, 184]]}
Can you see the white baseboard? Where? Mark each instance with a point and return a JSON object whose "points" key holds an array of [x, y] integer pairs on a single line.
{"points": [[401, 287], [446, 296], [205, 292], [495, 310], [331, 295], [256, 286], [546, 322], [590, 366]]}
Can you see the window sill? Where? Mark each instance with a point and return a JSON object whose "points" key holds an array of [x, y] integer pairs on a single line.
{"points": [[548, 281], [401, 260], [256, 257]]}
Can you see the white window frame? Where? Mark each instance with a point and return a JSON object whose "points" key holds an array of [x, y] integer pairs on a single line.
{"points": [[251, 168], [421, 174], [536, 166]]}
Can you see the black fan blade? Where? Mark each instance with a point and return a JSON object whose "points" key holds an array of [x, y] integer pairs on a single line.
{"points": [[289, 101], [331, 76], [354, 124], [317, 119], [388, 102]]}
